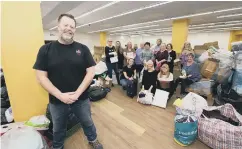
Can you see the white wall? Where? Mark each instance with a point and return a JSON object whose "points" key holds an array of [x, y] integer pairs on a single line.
{"points": [[90, 40], [201, 38], [138, 39], [194, 38]]}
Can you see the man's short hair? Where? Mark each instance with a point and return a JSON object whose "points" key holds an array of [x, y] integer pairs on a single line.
{"points": [[160, 40], [66, 15], [147, 43]]}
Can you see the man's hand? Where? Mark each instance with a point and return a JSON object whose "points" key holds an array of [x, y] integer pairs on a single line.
{"points": [[131, 79], [75, 95], [66, 97]]}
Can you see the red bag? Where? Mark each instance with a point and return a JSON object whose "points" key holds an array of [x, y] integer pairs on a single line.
{"points": [[219, 134]]}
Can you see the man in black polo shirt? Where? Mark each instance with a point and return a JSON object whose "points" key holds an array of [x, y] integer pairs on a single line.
{"points": [[65, 68]]}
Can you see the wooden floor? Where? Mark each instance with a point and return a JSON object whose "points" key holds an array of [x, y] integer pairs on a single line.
{"points": [[122, 123]]}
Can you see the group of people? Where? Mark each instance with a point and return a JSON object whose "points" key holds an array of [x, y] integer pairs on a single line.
{"points": [[153, 66]]}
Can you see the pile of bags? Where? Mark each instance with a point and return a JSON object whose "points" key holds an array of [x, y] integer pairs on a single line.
{"points": [[236, 46], [6, 110], [217, 127], [159, 99], [23, 138], [230, 90]]}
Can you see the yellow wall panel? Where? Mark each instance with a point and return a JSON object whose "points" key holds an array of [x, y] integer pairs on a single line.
{"points": [[179, 34], [22, 36], [103, 38], [234, 36]]}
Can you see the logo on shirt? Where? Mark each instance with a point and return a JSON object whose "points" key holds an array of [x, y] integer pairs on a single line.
{"points": [[78, 52]]}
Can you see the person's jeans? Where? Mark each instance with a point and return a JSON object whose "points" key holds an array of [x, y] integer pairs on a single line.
{"points": [[59, 114], [184, 84], [111, 67], [124, 82]]}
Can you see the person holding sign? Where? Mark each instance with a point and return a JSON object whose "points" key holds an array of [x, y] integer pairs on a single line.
{"points": [[111, 60]]}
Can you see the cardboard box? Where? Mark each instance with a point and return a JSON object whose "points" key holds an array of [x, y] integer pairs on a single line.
{"points": [[209, 68], [99, 50]]}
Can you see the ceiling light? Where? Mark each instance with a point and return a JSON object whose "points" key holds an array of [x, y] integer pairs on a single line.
{"points": [[226, 28], [133, 28], [225, 10], [216, 29], [97, 9], [150, 32], [231, 15], [126, 13], [160, 29], [94, 10], [209, 24], [192, 15], [129, 25], [167, 19], [213, 26]]}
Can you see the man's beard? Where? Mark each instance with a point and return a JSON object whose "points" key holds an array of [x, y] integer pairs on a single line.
{"points": [[67, 39]]}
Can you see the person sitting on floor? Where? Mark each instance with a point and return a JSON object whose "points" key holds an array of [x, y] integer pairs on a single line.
{"points": [[129, 73], [149, 77], [190, 74], [165, 79]]}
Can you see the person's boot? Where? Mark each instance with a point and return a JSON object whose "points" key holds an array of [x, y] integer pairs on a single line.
{"points": [[96, 144]]}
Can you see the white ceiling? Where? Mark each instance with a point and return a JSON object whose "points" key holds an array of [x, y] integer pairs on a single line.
{"points": [[51, 11]]}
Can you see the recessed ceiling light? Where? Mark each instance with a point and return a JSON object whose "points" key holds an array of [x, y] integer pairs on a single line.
{"points": [[214, 26], [230, 15], [208, 24], [92, 11], [173, 18], [127, 29], [126, 13], [225, 10]]}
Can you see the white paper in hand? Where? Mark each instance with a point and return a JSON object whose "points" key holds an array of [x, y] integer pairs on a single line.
{"points": [[130, 55], [160, 98], [114, 59]]}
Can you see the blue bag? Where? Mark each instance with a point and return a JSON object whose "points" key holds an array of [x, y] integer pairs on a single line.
{"points": [[185, 129]]}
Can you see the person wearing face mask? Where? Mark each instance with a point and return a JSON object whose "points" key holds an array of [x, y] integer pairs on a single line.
{"points": [[119, 51], [65, 68], [111, 60]]}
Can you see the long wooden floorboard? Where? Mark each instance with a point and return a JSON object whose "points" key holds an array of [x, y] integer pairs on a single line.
{"points": [[122, 123]]}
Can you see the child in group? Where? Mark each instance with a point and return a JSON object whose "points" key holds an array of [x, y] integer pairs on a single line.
{"points": [[165, 79], [129, 73], [149, 77]]}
